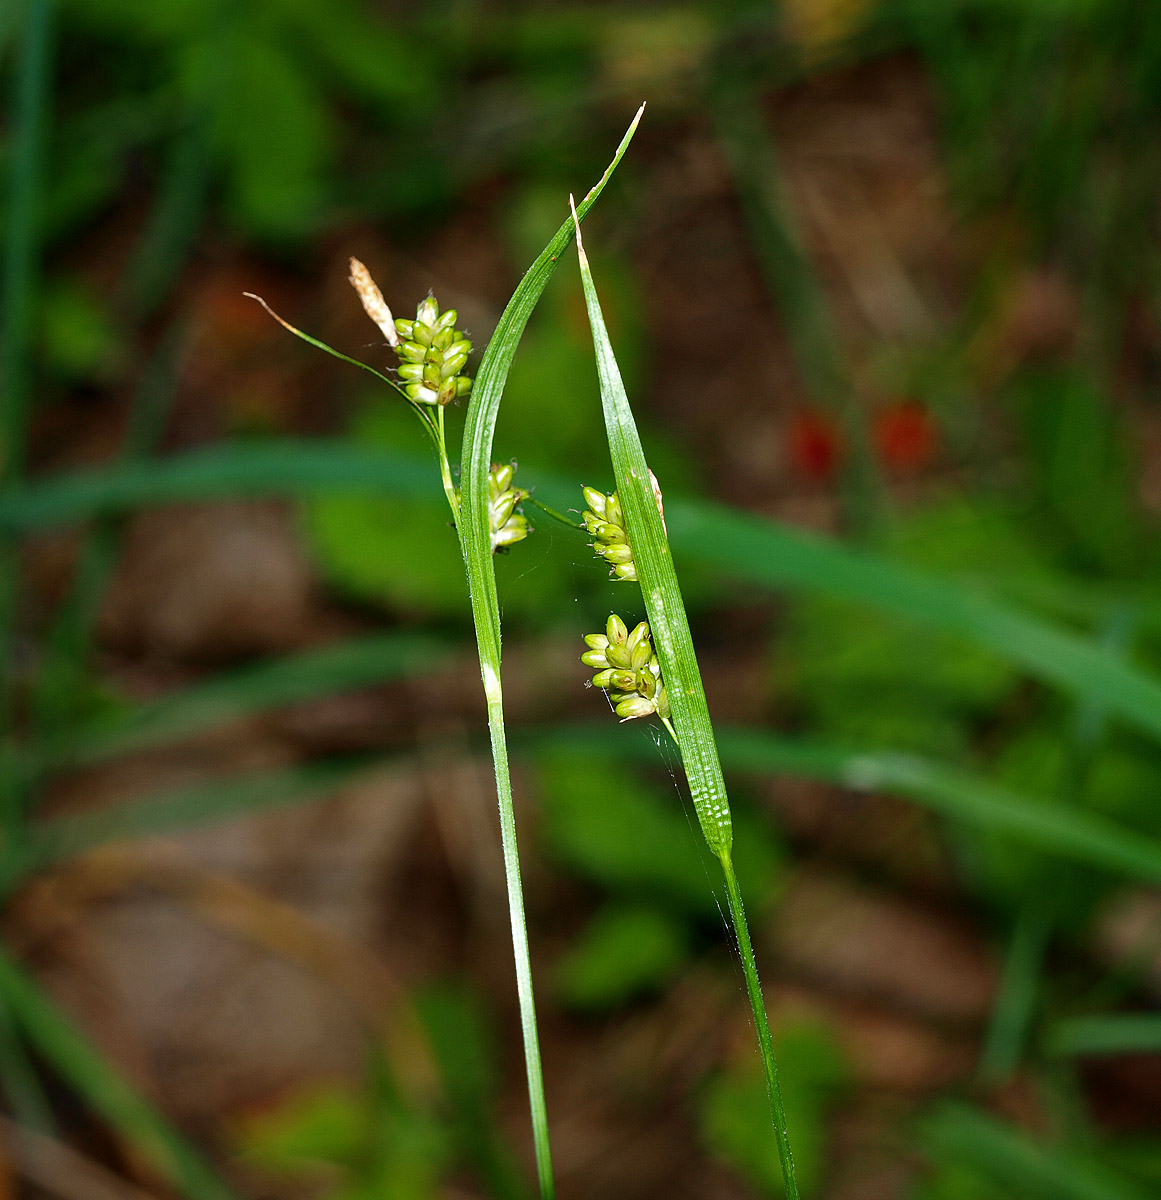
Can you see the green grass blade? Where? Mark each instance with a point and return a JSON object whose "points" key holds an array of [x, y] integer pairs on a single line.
{"points": [[679, 671], [173, 225], [79, 1063], [19, 1082], [659, 588], [33, 88], [750, 549], [475, 541], [345, 666], [1105, 1034], [1037, 822], [1014, 1008], [741, 546], [750, 155], [65, 657], [293, 468], [171, 812], [1008, 1156], [19, 288]]}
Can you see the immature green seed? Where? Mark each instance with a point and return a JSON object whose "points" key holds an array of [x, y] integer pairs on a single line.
{"points": [[628, 669], [605, 520], [507, 525]]}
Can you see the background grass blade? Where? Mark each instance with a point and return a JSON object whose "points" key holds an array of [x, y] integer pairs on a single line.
{"points": [[741, 546], [22, 242], [279, 468], [475, 541], [673, 643], [747, 548], [19, 294], [1007, 1156], [1106, 1033], [348, 665], [171, 811], [79, 1064], [1037, 822], [66, 660]]}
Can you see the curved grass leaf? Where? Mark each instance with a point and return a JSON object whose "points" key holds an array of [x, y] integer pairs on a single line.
{"points": [[1037, 822], [1105, 1034], [1008, 1156], [741, 546], [60, 1044], [345, 666], [1042, 825], [476, 543], [174, 811], [645, 525], [296, 468], [748, 548]]}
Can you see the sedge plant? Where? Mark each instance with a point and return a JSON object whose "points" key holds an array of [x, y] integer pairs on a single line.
{"points": [[485, 509], [629, 532]]}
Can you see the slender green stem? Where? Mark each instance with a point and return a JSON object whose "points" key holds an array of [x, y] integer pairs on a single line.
{"points": [[21, 260], [449, 488], [557, 516], [520, 943], [1015, 1006], [19, 284], [762, 1024], [512, 876], [19, 1082]]}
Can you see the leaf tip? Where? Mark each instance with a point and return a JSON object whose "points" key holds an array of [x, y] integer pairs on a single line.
{"points": [[580, 246], [271, 312]]}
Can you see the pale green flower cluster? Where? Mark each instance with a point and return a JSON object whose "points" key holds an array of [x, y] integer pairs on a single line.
{"points": [[628, 669], [433, 353]]}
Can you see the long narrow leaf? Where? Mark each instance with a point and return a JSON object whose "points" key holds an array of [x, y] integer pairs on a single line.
{"points": [[175, 811], [673, 643], [1008, 1156], [356, 663], [1104, 1034], [81, 1065], [747, 548], [741, 546], [476, 543], [1037, 822]]}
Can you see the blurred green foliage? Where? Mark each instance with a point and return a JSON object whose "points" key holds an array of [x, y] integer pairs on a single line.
{"points": [[734, 1110]]}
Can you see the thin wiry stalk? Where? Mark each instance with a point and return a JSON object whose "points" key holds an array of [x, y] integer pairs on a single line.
{"points": [[761, 1024]]}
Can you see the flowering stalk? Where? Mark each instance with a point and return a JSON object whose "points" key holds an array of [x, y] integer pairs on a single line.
{"points": [[476, 528], [678, 680]]}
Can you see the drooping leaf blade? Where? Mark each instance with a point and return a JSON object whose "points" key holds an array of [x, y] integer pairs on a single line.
{"points": [[80, 1064], [741, 546], [345, 666]]}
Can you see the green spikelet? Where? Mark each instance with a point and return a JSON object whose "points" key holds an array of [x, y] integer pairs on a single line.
{"points": [[605, 520], [432, 355], [508, 526], [627, 669]]}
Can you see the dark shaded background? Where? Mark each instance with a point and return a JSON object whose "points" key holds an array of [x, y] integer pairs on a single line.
{"points": [[885, 271]]}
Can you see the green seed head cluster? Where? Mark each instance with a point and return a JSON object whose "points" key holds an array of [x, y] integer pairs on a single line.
{"points": [[605, 520], [433, 353], [628, 669], [507, 525]]}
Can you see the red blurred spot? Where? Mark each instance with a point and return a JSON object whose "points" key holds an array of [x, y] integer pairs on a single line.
{"points": [[815, 444], [905, 436]]}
